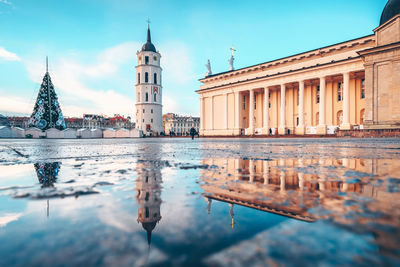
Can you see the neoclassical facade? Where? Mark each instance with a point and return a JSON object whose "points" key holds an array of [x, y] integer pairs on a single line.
{"points": [[349, 85]]}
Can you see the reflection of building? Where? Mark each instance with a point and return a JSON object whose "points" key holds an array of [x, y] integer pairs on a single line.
{"points": [[4, 121], [291, 191], [148, 186], [353, 84], [149, 89], [47, 173], [179, 125]]}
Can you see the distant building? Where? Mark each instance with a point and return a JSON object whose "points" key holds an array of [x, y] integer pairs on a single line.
{"points": [[174, 124], [21, 122], [92, 121], [4, 121], [74, 123]]}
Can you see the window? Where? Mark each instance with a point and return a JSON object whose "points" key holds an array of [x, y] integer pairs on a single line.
{"points": [[138, 78], [143, 110], [244, 102], [143, 120], [339, 92], [155, 97], [151, 120], [151, 111], [362, 88], [146, 77], [155, 58], [138, 97], [147, 97], [255, 101], [362, 112], [318, 89], [146, 60], [339, 117], [155, 78]]}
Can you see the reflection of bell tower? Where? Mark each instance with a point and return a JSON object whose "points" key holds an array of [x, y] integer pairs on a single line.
{"points": [[148, 186]]}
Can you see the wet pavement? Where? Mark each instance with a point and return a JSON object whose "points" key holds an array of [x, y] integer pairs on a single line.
{"points": [[207, 202]]}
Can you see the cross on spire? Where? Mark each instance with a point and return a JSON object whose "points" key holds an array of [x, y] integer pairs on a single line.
{"points": [[148, 23], [47, 64], [233, 50]]}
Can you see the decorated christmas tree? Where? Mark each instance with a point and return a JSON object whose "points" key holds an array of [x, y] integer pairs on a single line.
{"points": [[47, 111]]}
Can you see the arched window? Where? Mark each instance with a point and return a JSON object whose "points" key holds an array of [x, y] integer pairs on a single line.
{"points": [[138, 77], [362, 112], [155, 78], [362, 88], [147, 97], [155, 97], [339, 117], [146, 77]]}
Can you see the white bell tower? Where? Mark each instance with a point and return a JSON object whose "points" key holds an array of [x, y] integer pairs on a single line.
{"points": [[149, 89]]}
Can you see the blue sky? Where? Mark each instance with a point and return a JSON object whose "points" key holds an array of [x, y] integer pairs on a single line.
{"points": [[92, 45]]}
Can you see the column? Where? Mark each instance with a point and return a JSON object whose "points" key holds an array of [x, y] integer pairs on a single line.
{"points": [[237, 113], [211, 113], [266, 111], [321, 127], [282, 126], [201, 115], [226, 111], [250, 130], [346, 102], [300, 129]]}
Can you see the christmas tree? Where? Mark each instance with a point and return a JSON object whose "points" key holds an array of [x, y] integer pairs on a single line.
{"points": [[47, 111]]}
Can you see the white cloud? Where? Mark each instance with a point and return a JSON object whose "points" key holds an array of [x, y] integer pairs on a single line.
{"points": [[9, 217], [70, 78], [14, 104], [6, 2], [99, 86], [7, 55]]}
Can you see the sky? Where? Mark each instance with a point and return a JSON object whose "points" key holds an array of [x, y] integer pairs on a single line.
{"points": [[92, 45]]}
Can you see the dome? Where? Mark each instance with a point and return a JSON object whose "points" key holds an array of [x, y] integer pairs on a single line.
{"points": [[391, 9], [148, 46]]}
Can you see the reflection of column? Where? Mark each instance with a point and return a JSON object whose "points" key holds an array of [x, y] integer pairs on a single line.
{"points": [[300, 130], [282, 126], [237, 174], [321, 128], [251, 170], [266, 172], [251, 113], [283, 182], [148, 187], [346, 102], [266, 111], [301, 180]]}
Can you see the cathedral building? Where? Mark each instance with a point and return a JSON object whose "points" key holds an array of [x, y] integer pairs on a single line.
{"points": [[349, 85], [149, 89]]}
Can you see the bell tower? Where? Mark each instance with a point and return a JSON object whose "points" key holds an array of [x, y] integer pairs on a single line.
{"points": [[149, 89]]}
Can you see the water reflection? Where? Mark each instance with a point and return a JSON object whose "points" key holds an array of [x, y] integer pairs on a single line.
{"points": [[47, 173], [358, 194]]}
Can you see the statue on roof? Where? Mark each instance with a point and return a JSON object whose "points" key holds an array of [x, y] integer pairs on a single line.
{"points": [[232, 58], [208, 66]]}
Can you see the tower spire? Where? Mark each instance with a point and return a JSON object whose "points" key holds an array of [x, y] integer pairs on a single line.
{"points": [[47, 64]]}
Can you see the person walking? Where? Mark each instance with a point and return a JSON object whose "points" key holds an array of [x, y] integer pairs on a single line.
{"points": [[192, 132]]}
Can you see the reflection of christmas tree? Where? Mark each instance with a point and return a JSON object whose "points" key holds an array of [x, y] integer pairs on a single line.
{"points": [[47, 112], [47, 173]]}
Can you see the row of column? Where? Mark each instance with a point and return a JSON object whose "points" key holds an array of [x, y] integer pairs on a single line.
{"points": [[282, 129]]}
